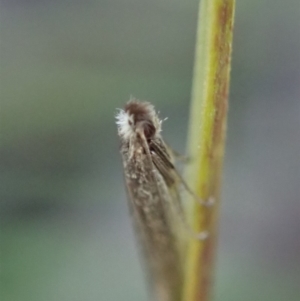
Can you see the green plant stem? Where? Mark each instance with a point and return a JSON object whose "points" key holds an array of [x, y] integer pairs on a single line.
{"points": [[207, 139]]}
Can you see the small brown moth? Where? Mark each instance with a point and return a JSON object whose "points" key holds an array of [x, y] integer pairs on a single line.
{"points": [[152, 184]]}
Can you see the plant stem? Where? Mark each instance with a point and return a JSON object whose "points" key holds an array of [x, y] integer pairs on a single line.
{"points": [[207, 138]]}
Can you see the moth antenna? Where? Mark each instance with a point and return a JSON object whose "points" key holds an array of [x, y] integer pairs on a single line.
{"points": [[146, 148]]}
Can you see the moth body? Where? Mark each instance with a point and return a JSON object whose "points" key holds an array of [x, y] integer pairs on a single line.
{"points": [[149, 176]]}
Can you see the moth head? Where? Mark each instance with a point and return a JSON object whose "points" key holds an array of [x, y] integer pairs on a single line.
{"points": [[138, 116]]}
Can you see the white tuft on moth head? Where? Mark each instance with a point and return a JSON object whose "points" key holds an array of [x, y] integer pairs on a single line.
{"points": [[139, 115], [125, 124]]}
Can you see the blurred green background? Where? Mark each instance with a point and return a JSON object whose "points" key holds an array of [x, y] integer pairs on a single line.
{"points": [[65, 68]]}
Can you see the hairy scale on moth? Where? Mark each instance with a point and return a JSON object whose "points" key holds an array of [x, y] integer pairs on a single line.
{"points": [[152, 183]]}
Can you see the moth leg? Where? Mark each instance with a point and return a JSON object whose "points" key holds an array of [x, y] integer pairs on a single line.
{"points": [[206, 203], [163, 163], [180, 212], [178, 156], [167, 152], [187, 159]]}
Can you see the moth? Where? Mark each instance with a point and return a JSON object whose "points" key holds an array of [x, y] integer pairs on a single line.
{"points": [[152, 183]]}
